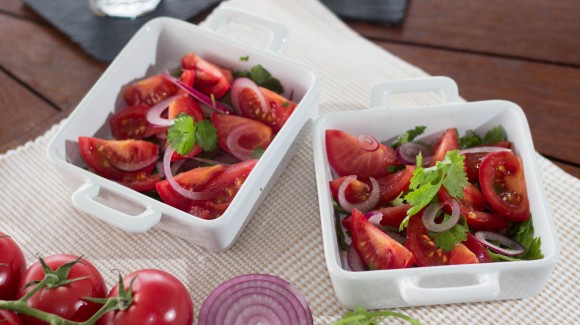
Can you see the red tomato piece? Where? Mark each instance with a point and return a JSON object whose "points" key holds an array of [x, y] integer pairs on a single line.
{"points": [[186, 105], [472, 160], [446, 143], [357, 191], [346, 156], [393, 216], [141, 182], [502, 181], [9, 318], [393, 184], [12, 267], [158, 298], [377, 249], [280, 107], [255, 133], [210, 79], [149, 91], [132, 123], [68, 300], [477, 248], [427, 253]]}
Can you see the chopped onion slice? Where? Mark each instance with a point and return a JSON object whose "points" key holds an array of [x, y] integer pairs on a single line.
{"points": [[355, 263], [363, 207], [242, 83], [483, 150], [178, 188], [233, 142], [154, 113], [408, 151], [514, 248], [207, 100], [374, 217], [255, 299], [430, 214], [368, 142]]}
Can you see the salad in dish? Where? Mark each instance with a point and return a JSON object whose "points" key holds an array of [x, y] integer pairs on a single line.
{"points": [[191, 136], [414, 202]]}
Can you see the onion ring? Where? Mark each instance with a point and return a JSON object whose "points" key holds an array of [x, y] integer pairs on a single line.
{"points": [[514, 247], [154, 113], [242, 83], [368, 142], [485, 149], [430, 214], [233, 142], [363, 207], [199, 196], [408, 151]]}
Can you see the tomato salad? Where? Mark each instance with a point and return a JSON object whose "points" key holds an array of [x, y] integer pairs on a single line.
{"points": [[457, 200], [190, 137]]}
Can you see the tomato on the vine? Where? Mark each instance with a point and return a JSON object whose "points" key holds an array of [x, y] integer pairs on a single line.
{"points": [[67, 300], [8, 317], [12, 267], [158, 298]]}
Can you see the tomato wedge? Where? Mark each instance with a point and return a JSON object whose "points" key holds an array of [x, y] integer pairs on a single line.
{"points": [[427, 253], [247, 135], [472, 160], [346, 156], [132, 123], [477, 248], [149, 91], [357, 191], [447, 142], [502, 181], [280, 108], [378, 250], [393, 216], [393, 184], [209, 78]]}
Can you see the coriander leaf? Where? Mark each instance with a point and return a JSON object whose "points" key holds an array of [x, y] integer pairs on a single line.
{"points": [[456, 178], [182, 135], [408, 136], [446, 240], [244, 58], [206, 135], [258, 152], [361, 316], [262, 78], [470, 139], [419, 199], [525, 236], [495, 135]]}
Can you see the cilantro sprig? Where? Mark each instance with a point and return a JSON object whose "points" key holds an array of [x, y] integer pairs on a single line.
{"points": [[262, 78], [361, 316], [185, 133], [408, 136]]}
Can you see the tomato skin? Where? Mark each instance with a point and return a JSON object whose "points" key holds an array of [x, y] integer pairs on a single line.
{"points": [[149, 91], [447, 142], [377, 249], [503, 185], [67, 301], [393, 184], [158, 298], [346, 156], [258, 135], [472, 160], [209, 78], [8, 317], [12, 267], [357, 191], [132, 123], [477, 248], [427, 253], [280, 107], [393, 216]]}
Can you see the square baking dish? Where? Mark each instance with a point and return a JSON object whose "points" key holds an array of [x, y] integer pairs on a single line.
{"points": [[437, 284], [157, 46]]}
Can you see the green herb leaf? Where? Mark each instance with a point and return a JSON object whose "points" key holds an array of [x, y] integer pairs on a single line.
{"points": [[409, 136], [206, 135], [262, 78], [361, 316], [446, 240], [258, 152], [181, 135], [470, 139], [495, 135], [525, 236], [244, 58]]}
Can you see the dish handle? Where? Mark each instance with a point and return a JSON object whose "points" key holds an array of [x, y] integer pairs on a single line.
{"points": [[486, 288], [221, 17], [446, 87], [84, 199]]}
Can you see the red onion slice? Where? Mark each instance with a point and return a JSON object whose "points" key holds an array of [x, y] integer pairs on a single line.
{"points": [[484, 149], [154, 113], [178, 188], [365, 206], [354, 261], [255, 297], [207, 100], [374, 217], [233, 142], [430, 214], [408, 151], [239, 85], [368, 142], [514, 248]]}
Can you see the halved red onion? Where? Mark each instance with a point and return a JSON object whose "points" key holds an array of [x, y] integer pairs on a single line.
{"points": [[514, 248], [368, 142], [363, 207], [207, 100], [430, 214], [255, 299], [178, 188], [354, 261], [408, 151], [242, 83], [154, 113], [233, 142], [485, 149]]}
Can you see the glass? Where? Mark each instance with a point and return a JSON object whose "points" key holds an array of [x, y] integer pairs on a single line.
{"points": [[123, 8]]}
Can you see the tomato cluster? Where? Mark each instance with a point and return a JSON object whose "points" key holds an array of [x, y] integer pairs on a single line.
{"points": [[495, 198], [73, 289]]}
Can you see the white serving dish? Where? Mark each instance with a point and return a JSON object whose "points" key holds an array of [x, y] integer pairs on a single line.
{"points": [[440, 284], [159, 45]]}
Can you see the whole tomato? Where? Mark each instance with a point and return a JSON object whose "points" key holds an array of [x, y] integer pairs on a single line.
{"points": [[9, 318], [12, 266], [67, 299], [158, 298]]}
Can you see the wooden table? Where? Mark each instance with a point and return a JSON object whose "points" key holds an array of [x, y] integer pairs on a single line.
{"points": [[526, 51]]}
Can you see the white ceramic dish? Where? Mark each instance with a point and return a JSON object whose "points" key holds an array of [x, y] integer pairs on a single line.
{"points": [[159, 45], [440, 284]]}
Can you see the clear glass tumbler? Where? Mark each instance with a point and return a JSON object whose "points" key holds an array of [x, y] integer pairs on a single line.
{"points": [[123, 8]]}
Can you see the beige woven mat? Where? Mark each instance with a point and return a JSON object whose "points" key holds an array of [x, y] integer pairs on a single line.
{"points": [[283, 237]]}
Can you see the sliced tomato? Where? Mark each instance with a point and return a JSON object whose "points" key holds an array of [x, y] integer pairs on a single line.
{"points": [[446, 143], [477, 248], [149, 91], [141, 182], [393, 216], [209, 78], [118, 159], [280, 108], [375, 248], [357, 191], [132, 123], [346, 156], [394, 184], [255, 134], [479, 220], [427, 253], [472, 160], [192, 180], [502, 181], [225, 186], [186, 105]]}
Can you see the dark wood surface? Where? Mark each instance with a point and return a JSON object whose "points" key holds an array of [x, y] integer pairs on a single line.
{"points": [[525, 51]]}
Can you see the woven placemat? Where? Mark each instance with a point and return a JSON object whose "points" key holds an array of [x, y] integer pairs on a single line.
{"points": [[283, 237]]}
